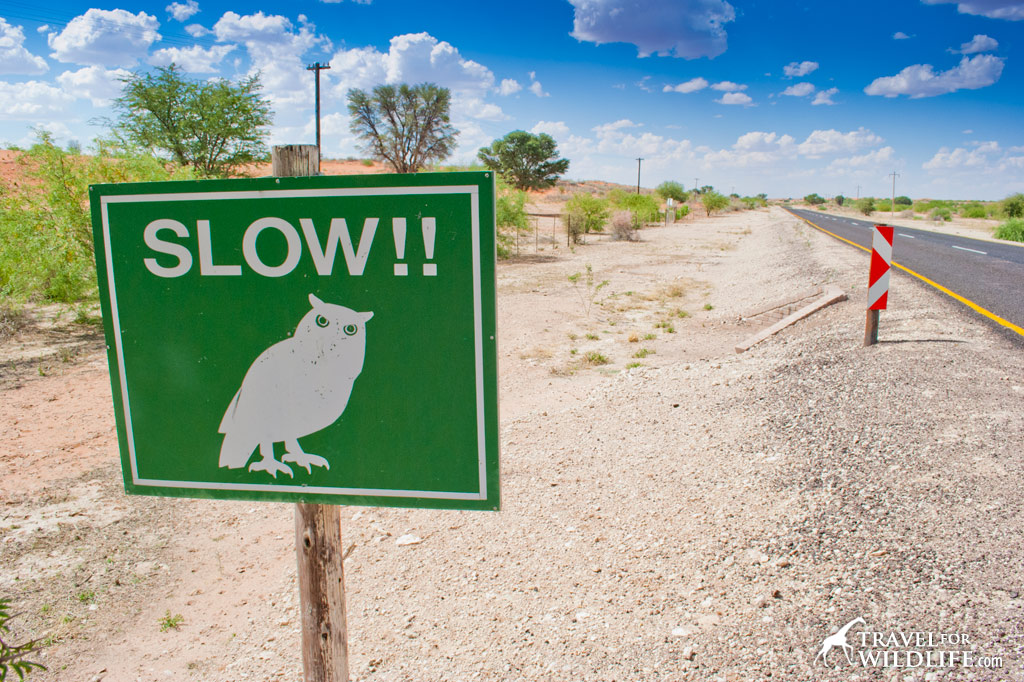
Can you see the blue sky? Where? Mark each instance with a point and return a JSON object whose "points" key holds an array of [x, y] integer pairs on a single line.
{"points": [[749, 96]]}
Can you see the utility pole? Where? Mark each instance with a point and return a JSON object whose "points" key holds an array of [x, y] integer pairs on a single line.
{"points": [[638, 175], [696, 184], [317, 67], [892, 206], [858, 191]]}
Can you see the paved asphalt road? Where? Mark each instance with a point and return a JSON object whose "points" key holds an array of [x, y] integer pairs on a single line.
{"points": [[989, 274]]}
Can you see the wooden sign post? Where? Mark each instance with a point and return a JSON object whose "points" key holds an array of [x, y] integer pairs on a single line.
{"points": [[321, 571]]}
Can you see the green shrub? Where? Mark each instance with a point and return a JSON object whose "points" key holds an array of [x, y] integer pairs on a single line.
{"points": [[511, 208], [973, 210], [644, 207], [585, 213], [1012, 230], [672, 190], [928, 206], [840, 199], [865, 205], [46, 246], [814, 199], [941, 214], [713, 201], [903, 201], [510, 214], [883, 205], [14, 657], [1013, 206]]}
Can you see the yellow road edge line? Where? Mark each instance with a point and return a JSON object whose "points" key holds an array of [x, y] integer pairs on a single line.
{"points": [[967, 302]]}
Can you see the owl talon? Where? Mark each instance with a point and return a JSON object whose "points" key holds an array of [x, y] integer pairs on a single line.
{"points": [[304, 459], [271, 466]]}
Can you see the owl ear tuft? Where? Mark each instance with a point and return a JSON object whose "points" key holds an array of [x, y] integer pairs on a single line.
{"points": [[366, 316], [314, 301]]}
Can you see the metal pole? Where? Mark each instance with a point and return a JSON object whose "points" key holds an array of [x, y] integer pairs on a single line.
{"points": [[638, 175]]}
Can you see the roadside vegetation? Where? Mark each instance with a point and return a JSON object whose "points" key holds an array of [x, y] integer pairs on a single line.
{"points": [[526, 161], [46, 245]]}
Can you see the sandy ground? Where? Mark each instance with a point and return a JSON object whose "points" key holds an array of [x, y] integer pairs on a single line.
{"points": [[703, 515]]}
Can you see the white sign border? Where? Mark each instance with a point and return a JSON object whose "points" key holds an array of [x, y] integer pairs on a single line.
{"points": [[474, 194]]}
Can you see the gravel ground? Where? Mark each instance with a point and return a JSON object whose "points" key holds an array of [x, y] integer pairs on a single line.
{"points": [[708, 516]]}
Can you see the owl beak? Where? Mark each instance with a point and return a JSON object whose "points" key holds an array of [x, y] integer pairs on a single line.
{"points": [[366, 317], [314, 301]]}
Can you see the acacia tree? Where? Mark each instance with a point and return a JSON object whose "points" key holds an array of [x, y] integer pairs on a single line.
{"points": [[672, 190], [407, 127], [214, 126], [527, 161], [713, 201]]}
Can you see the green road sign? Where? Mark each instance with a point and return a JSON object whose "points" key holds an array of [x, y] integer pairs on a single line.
{"points": [[321, 339]]}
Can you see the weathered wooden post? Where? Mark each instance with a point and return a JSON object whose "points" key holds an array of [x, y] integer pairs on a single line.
{"points": [[294, 160], [321, 573]]}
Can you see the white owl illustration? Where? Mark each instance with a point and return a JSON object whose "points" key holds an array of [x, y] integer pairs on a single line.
{"points": [[294, 388]]}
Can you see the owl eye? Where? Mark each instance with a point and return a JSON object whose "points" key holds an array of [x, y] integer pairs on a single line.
{"points": [[322, 321], [351, 329]]}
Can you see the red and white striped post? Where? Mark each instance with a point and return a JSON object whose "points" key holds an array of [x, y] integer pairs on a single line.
{"points": [[878, 280]]}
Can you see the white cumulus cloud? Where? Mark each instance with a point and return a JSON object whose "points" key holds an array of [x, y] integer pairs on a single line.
{"points": [[825, 97], [871, 159], [799, 90], [824, 142], [99, 85], [474, 107], [798, 69], [728, 86], [30, 100], [900, 35], [556, 129], [921, 80], [411, 58], [1012, 10], [14, 58], [959, 158], [105, 38], [735, 98], [692, 85], [979, 43], [689, 29], [756, 148], [537, 89], [509, 86], [275, 47], [193, 59], [181, 11]]}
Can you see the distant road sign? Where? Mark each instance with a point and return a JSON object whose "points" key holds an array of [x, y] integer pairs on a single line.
{"points": [[881, 263], [322, 339]]}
